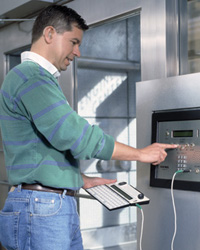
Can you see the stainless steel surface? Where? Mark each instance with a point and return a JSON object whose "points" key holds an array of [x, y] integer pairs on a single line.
{"points": [[183, 37], [161, 45], [4, 183], [172, 40], [166, 94], [176, 37], [153, 39], [101, 11], [84, 62]]}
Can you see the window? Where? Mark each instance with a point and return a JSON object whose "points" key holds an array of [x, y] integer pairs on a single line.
{"points": [[106, 74], [193, 36]]}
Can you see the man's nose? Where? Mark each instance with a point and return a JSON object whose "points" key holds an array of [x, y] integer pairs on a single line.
{"points": [[77, 51]]}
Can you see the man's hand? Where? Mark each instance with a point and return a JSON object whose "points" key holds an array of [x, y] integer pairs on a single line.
{"points": [[155, 153], [95, 181]]}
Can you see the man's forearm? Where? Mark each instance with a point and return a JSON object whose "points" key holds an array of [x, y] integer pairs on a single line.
{"points": [[124, 152], [154, 153]]}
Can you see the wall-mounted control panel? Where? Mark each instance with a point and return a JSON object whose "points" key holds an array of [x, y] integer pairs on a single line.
{"points": [[180, 127]]}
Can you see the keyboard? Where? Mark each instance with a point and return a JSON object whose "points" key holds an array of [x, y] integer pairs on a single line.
{"points": [[117, 195]]}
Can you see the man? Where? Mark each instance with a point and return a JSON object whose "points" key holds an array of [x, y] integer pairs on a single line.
{"points": [[44, 138]]}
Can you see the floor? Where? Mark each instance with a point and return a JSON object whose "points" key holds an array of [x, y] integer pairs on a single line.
{"points": [[131, 246]]}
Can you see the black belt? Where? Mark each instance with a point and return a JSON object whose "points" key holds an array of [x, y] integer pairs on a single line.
{"points": [[37, 187]]}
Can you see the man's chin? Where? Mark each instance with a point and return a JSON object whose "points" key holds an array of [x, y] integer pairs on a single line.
{"points": [[66, 66]]}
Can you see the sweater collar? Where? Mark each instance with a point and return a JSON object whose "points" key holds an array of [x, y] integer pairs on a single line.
{"points": [[34, 57]]}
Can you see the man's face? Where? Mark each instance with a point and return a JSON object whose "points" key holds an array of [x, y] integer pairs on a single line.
{"points": [[66, 47]]}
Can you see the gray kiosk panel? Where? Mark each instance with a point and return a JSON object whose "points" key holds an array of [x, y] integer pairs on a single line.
{"points": [[183, 128]]}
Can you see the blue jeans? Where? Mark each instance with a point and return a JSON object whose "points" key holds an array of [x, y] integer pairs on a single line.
{"points": [[32, 220]]}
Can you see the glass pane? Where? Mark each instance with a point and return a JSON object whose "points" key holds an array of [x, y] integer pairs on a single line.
{"points": [[14, 58], [194, 36], [120, 133], [134, 38], [102, 94], [98, 42]]}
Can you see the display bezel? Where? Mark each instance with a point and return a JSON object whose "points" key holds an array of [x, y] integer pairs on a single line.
{"points": [[165, 116]]}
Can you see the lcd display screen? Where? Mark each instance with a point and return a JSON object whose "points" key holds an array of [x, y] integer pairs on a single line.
{"points": [[183, 133]]}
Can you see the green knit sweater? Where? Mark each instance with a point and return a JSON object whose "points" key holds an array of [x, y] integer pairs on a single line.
{"points": [[43, 137]]}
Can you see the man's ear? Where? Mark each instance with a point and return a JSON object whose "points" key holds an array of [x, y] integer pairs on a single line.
{"points": [[48, 34]]}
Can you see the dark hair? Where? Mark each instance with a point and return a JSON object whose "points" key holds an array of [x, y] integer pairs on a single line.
{"points": [[60, 17]]}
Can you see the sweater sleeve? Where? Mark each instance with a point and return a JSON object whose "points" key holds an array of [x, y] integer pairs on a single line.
{"points": [[42, 101]]}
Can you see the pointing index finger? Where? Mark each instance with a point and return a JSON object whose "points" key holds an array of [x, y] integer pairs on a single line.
{"points": [[169, 145]]}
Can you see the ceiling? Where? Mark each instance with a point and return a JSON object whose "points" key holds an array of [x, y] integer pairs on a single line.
{"points": [[14, 11]]}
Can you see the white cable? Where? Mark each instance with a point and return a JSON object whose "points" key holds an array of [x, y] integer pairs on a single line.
{"points": [[174, 208], [142, 225]]}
